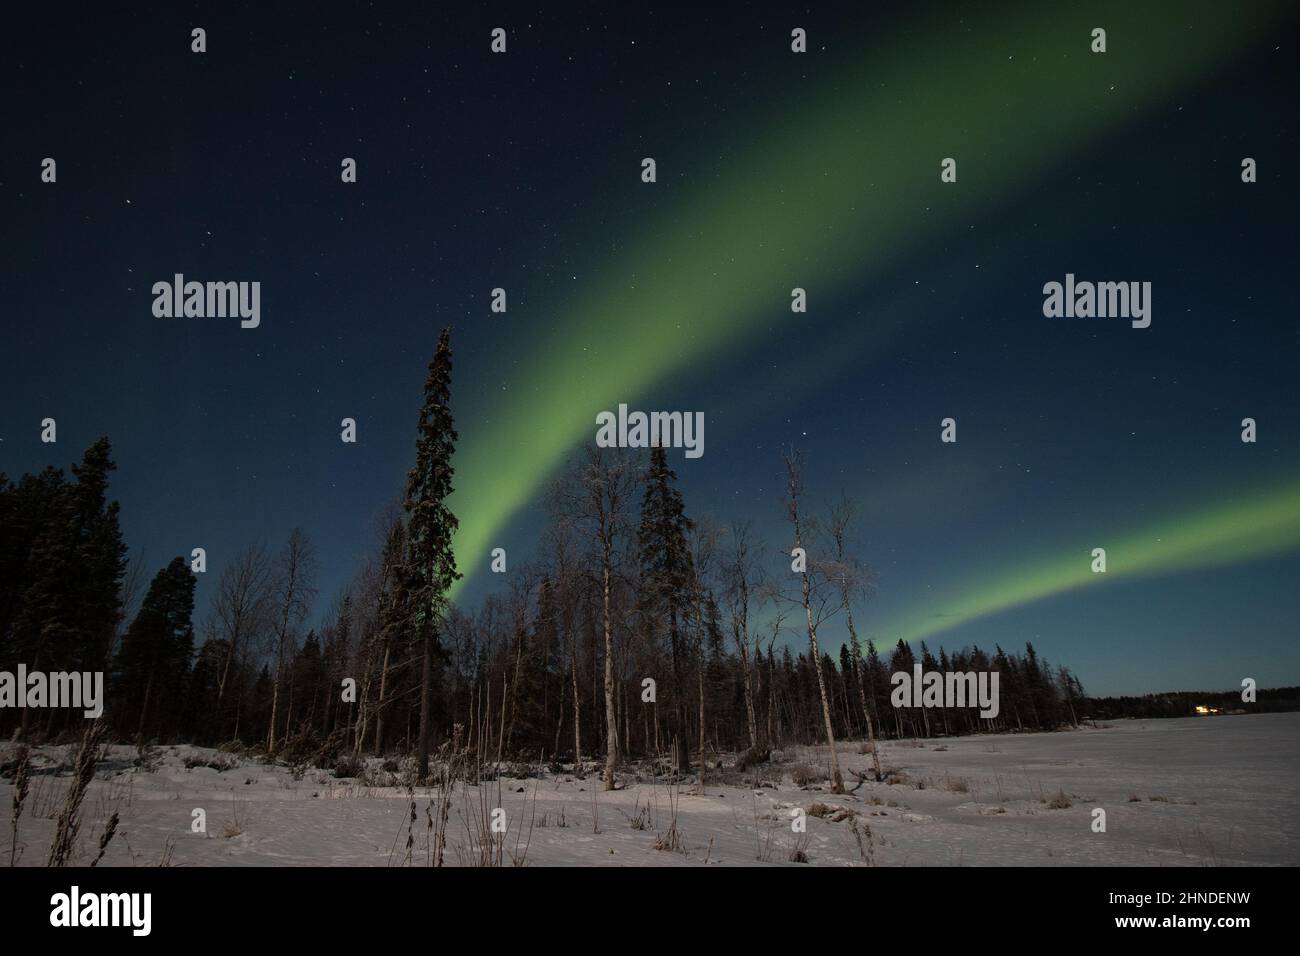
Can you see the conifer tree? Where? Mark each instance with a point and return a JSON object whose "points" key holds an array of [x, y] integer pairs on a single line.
{"points": [[667, 574], [338, 652], [70, 609], [902, 661], [431, 564], [26, 512], [153, 662]]}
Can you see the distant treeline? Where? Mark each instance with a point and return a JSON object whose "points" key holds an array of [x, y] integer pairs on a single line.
{"points": [[635, 632], [1183, 703], [522, 675]]}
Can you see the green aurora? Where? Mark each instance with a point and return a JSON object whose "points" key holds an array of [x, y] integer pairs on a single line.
{"points": [[1261, 526], [831, 194]]}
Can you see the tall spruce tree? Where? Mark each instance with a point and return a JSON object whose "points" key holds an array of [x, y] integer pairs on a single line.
{"points": [[26, 510], [70, 609], [153, 663], [430, 563], [667, 576]]}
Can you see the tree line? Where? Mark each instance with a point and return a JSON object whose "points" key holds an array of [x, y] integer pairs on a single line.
{"points": [[636, 631]]}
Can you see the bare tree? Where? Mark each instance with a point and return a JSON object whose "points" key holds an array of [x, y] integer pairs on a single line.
{"points": [[743, 582], [522, 585], [608, 483], [239, 609], [390, 609], [776, 626], [293, 587], [564, 570], [855, 581], [819, 599], [703, 540]]}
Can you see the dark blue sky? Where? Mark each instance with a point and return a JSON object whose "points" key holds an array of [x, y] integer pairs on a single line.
{"points": [[521, 171]]}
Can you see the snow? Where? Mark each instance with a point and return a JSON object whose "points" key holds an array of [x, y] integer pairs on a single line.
{"points": [[1210, 791]]}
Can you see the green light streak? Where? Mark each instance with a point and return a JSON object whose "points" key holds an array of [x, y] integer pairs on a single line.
{"points": [[1265, 525], [835, 191]]}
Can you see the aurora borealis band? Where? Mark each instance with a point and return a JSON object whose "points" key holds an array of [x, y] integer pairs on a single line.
{"points": [[821, 197], [775, 170], [1213, 537]]}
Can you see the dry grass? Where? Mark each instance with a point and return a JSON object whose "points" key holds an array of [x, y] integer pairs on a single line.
{"points": [[109, 830], [805, 775], [65, 836], [22, 781], [830, 812], [1060, 802], [671, 840], [865, 840], [238, 821], [798, 852]]}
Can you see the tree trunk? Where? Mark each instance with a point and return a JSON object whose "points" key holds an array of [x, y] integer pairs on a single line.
{"points": [[681, 749], [611, 722], [501, 730], [426, 678], [771, 696], [144, 706], [559, 722], [702, 718], [577, 709], [862, 698], [275, 697], [751, 719], [837, 779], [379, 704]]}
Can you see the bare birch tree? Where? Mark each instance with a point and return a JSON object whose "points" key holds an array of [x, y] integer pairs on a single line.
{"points": [[855, 580], [608, 482], [293, 587], [818, 597], [239, 610], [564, 571], [743, 582]]}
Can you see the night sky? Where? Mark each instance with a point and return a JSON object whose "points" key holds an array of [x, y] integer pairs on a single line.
{"points": [[775, 170]]}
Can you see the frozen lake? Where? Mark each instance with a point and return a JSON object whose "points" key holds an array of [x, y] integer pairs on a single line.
{"points": [[1192, 792]]}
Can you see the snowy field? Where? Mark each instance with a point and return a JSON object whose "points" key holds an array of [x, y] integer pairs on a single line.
{"points": [[1194, 792]]}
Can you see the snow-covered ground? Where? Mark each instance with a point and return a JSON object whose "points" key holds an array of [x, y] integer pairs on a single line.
{"points": [[1195, 792]]}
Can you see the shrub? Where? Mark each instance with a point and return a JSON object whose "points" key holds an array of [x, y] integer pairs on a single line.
{"points": [[348, 766], [1060, 801], [751, 758], [217, 762], [805, 775]]}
